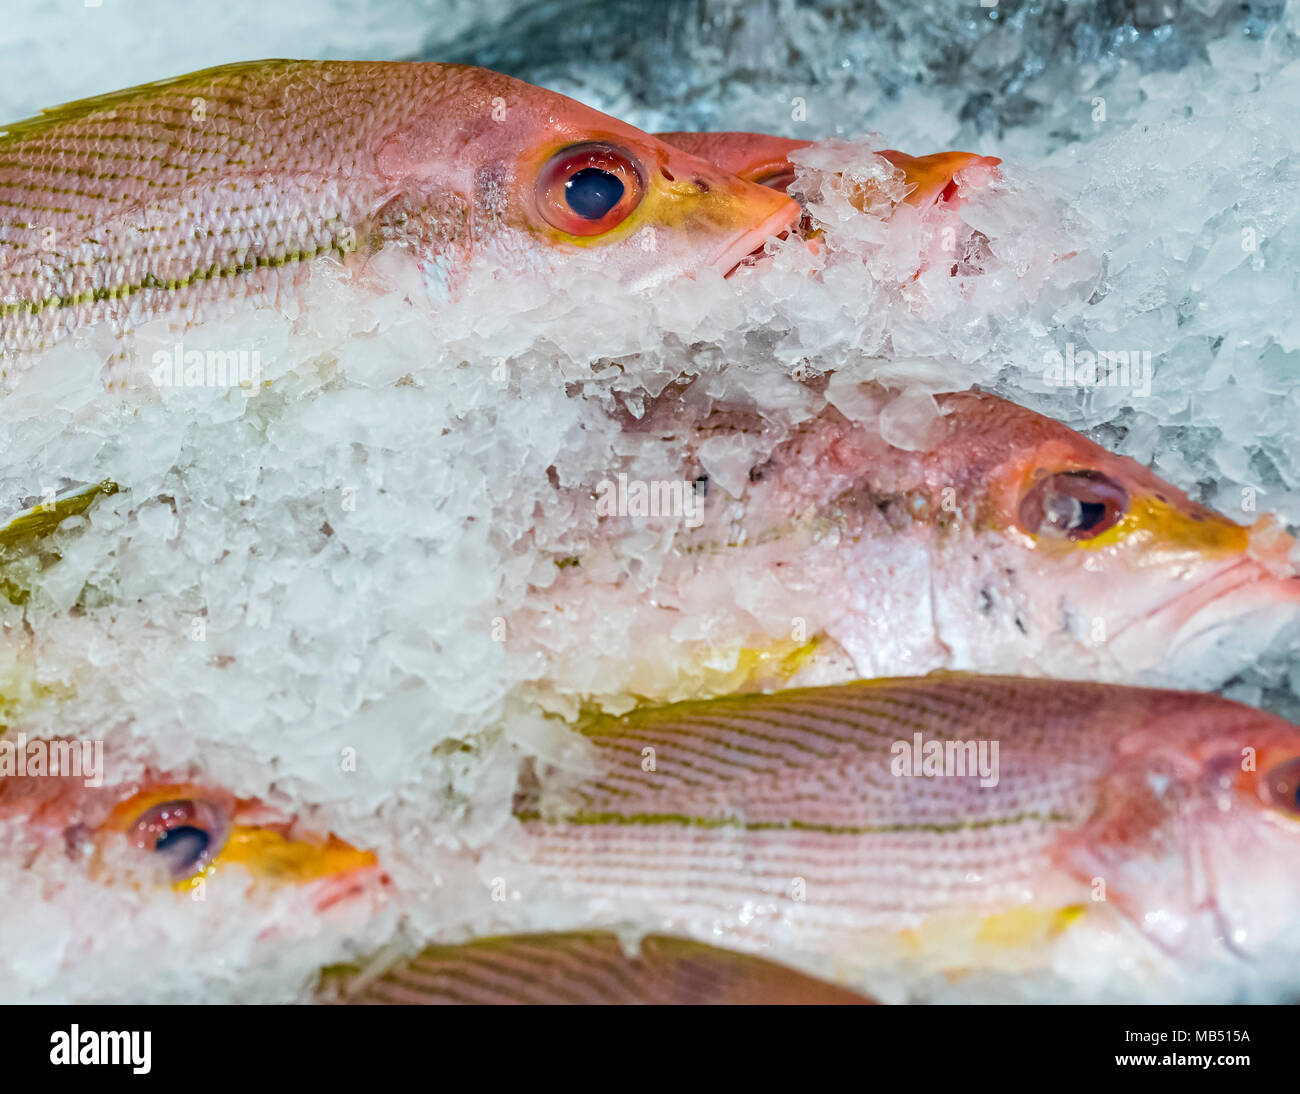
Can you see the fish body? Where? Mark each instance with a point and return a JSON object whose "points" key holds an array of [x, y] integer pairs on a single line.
{"points": [[228, 184], [1098, 841], [988, 538], [580, 969]]}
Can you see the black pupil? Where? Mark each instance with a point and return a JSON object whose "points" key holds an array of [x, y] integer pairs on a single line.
{"points": [[1091, 513], [592, 192], [184, 844]]}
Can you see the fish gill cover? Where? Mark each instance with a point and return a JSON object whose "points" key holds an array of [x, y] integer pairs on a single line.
{"points": [[309, 593]]}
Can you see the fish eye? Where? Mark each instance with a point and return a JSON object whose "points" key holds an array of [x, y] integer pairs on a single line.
{"points": [[1282, 787], [588, 189], [186, 835], [1076, 505]]}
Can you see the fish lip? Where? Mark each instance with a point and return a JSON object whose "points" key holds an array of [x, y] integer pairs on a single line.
{"points": [[751, 243]]}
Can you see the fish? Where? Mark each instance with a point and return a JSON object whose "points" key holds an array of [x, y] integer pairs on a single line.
{"points": [[578, 968], [989, 538], [224, 187], [945, 837], [165, 831], [942, 178]]}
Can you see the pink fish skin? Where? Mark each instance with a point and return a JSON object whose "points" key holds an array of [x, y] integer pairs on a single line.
{"points": [[228, 184], [999, 540], [581, 969], [1100, 841]]}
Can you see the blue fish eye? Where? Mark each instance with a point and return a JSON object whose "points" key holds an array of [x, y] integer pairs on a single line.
{"points": [[592, 192]]}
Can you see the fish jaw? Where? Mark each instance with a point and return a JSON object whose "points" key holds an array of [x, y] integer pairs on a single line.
{"points": [[1168, 616], [1222, 622], [329, 872], [1163, 603]]}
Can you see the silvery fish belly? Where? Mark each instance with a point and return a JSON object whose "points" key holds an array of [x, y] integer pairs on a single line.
{"points": [[985, 538], [184, 198], [940, 838]]}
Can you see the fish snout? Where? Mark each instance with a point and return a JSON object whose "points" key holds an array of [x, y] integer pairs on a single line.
{"points": [[731, 217], [332, 867]]}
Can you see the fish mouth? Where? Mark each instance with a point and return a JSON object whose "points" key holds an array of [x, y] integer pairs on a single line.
{"points": [[1200, 616], [750, 246]]}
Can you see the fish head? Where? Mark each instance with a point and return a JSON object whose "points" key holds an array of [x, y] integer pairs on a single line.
{"points": [[163, 832], [1195, 837], [548, 179], [1099, 545]]}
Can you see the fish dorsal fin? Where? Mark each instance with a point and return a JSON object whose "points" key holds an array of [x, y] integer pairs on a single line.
{"points": [[215, 77]]}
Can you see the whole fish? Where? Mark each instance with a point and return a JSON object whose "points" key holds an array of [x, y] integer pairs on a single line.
{"points": [[924, 838], [581, 968], [986, 538], [229, 184]]}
